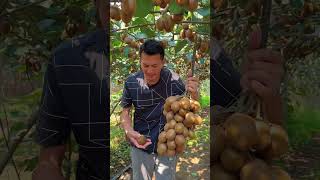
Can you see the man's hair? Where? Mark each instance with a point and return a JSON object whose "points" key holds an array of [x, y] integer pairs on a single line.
{"points": [[152, 47]]}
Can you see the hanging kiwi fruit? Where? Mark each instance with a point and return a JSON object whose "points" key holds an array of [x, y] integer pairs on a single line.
{"points": [[244, 143], [181, 116]]}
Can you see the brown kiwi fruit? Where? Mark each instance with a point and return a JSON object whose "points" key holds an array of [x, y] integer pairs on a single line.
{"points": [[182, 34], [162, 137], [217, 143], [218, 173], [142, 140], [172, 123], [193, 5], [180, 149], [170, 152], [179, 128], [170, 135], [180, 140], [182, 112], [189, 33], [171, 145], [175, 106], [178, 118], [279, 174], [160, 24], [195, 106], [233, 160], [255, 169], [171, 99], [161, 149], [185, 132], [177, 18], [264, 136], [169, 116], [185, 26], [115, 13], [166, 127], [197, 119], [241, 131], [157, 2], [185, 103], [182, 2]]}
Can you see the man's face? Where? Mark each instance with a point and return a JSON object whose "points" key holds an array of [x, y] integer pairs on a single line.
{"points": [[151, 66]]}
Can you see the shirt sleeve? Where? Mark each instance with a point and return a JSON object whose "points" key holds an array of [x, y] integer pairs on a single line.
{"points": [[53, 126], [126, 99], [224, 81]]}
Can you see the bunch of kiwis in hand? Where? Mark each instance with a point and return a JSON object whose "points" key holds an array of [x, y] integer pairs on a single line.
{"points": [[243, 147], [181, 118]]}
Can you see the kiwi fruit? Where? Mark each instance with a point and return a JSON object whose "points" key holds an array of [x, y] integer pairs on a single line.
{"points": [[179, 128], [169, 116], [185, 103], [180, 149], [170, 135], [264, 136], [185, 132], [218, 142], [115, 13], [279, 174], [241, 131], [161, 149], [162, 137], [182, 34], [181, 2], [257, 170], [160, 24], [194, 106], [233, 160], [171, 145], [170, 152], [185, 26], [197, 119], [175, 106], [142, 140], [178, 118], [180, 140], [171, 99], [166, 127], [192, 5], [188, 33], [182, 112], [157, 2], [177, 18], [172, 123], [218, 173]]}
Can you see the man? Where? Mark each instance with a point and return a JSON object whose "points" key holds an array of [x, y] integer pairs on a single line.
{"points": [[261, 74], [147, 90], [75, 94]]}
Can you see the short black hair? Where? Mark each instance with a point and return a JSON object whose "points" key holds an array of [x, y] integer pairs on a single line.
{"points": [[152, 47]]}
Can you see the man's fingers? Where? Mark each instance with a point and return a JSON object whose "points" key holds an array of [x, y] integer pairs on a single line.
{"points": [[267, 67], [260, 89], [255, 38], [266, 55]]}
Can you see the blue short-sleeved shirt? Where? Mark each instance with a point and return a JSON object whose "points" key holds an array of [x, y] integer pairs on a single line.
{"points": [[149, 100], [75, 99]]}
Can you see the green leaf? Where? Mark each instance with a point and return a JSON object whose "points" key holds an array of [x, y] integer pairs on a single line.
{"points": [[297, 3], [148, 31], [126, 51], [45, 24], [138, 21], [204, 11], [180, 45], [143, 8], [174, 8]]}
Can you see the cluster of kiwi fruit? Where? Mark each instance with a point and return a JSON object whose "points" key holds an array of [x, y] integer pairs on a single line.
{"points": [[165, 23], [187, 32], [181, 118], [161, 3], [243, 148], [135, 45], [191, 5], [128, 9]]}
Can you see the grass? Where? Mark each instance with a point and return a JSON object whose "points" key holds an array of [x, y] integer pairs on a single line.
{"points": [[302, 124]]}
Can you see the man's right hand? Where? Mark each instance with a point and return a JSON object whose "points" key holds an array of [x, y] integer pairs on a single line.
{"points": [[133, 137]]}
